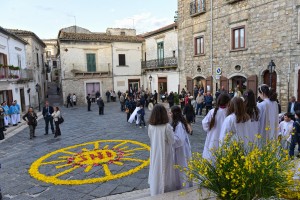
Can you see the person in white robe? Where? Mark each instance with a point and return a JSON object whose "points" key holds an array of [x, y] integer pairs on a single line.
{"points": [[238, 123], [182, 147], [253, 111], [19, 111], [285, 130], [268, 109], [6, 114], [13, 111], [161, 170], [134, 116], [212, 124]]}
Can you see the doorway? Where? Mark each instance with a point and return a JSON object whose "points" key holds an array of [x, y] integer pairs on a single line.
{"points": [[134, 84], [92, 88], [162, 85], [200, 82], [22, 95], [239, 82]]}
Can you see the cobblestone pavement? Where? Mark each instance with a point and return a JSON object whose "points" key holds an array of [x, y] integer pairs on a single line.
{"points": [[17, 153]]}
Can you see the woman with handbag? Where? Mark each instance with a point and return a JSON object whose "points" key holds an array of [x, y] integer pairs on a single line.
{"points": [[56, 115], [31, 118]]}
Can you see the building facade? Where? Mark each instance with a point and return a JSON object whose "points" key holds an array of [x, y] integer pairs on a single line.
{"points": [[160, 53], [232, 42], [34, 63], [14, 76], [92, 62], [52, 60]]}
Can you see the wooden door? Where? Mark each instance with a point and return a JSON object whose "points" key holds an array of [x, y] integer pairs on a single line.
{"points": [[209, 83], [9, 97], [22, 100], [267, 79], [224, 82], [252, 84], [189, 84]]}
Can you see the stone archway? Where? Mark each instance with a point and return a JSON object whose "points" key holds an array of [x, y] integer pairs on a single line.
{"points": [[200, 82]]}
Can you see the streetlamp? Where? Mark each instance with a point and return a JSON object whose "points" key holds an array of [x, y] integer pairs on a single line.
{"points": [[37, 88], [28, 91], [150, 79], [271, 68]]}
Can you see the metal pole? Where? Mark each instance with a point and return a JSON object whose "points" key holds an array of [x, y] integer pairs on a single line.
{"points": [[39, 100], [150, 87]]}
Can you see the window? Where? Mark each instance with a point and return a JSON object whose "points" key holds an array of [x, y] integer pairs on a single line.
{"points": [[19, 60], [160, 53], [174, 54], [37, 60], [54, 63], [199, 45], [197, 7], [91, 62], [238, 38], [122, 33], [122, 60]]}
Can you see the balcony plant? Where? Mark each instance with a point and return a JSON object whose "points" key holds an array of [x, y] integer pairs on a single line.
{"points": [[245, 172], [11, 67]]}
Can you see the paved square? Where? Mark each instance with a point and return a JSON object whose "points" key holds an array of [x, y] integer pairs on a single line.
{"points": [[17, 153]]}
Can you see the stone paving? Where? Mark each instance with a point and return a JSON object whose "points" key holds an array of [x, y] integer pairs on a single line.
{"points": [[17, 153]]}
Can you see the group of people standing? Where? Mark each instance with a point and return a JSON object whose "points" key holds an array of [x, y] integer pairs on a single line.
{"points": [[71, 100]]}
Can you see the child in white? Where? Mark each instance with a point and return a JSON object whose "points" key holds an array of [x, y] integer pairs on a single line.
{"points": [[285, 129], [182, 147], [212, 124]]}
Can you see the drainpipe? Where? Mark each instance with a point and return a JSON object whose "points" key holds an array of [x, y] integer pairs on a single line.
{"points": [[211, 40], [112, 66]]}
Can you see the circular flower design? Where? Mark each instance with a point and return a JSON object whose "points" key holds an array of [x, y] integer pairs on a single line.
{"points": [[91, 162]]}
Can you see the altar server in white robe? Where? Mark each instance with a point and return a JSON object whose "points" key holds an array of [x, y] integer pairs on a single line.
{"points": [[285, 130], [182, 147], [237, 122], [161, 171], [13, 111], [6, 114], [19, 111], [253, 112], [212, 124], [134, 115], [268, 108]]}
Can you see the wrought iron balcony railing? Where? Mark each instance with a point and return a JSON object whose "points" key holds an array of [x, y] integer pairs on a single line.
{"points": [[158, 63], [197, 7]]}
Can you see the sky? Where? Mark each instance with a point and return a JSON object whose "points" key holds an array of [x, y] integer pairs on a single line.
{"points": [[46, 17]]}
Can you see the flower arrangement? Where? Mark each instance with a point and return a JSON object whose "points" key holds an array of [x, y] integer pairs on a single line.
{"points": [[64, 162], [245, 172]]}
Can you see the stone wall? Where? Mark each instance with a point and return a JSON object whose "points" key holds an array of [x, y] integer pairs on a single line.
{"points": [[271, 30]]}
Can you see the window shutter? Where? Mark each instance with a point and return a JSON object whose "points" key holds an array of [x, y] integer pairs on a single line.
{"points": [[122, 61], [91, 62]]}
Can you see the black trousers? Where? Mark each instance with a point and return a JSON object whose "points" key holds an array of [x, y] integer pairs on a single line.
{"points": [[208, 108], [89, 106], [69, 102], [48, 119], [57, 129], [142, 121], [101, 110]]}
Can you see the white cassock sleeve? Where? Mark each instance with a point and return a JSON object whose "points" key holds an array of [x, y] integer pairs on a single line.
{"points": [[170, 135], [206, 121], [179, 136], [227, 127]]}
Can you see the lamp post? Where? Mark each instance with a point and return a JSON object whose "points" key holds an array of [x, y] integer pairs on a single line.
{"points": [[37, 87], [150, 79], [271, 68], [28, 91]]}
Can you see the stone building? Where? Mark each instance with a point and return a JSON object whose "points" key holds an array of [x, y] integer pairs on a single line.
{"points": [[232, 43], [14, 77], [92, 62], [160, 52], [34, 62], [52, 60]]}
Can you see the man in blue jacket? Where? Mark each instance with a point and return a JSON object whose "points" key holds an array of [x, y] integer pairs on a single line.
{"points": [[47, 114], [208, 102]]}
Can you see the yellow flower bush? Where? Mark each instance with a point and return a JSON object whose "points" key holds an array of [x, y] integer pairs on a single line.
{"points": [[245, 172], [97, 154]]}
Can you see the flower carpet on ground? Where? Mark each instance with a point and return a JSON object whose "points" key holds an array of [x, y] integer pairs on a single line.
{"points": [[91, 162]]}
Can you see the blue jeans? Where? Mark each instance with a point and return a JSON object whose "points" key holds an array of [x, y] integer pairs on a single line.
{"points": [[295, 140], [199, 106]]}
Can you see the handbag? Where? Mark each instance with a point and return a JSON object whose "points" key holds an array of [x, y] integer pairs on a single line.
{"points": [[61, 120]]}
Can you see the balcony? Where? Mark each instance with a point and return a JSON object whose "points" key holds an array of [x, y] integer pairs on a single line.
{"points": [[197, 7], [85, 74], [165, 63], [9, 72]]}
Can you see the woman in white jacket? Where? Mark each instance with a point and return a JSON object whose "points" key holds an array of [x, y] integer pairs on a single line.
{"points": [[56, 115]]}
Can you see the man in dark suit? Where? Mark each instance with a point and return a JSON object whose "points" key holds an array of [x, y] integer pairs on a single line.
{"points": [[88, 100], [47, 113], [293, 106]]}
